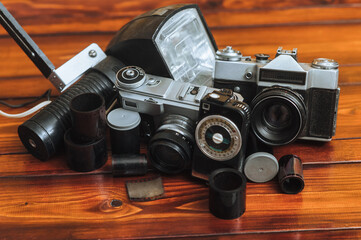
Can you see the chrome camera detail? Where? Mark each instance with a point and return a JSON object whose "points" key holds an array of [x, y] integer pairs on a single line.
{"points": [[154, 95]]}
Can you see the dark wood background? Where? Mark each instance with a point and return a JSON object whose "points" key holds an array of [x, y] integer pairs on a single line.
{"points": [[46, 200]]}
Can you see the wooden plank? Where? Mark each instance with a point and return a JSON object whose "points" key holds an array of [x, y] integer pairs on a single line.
{"points": [[339, 42], [309, 234], [336, 151], [14, 88], [79, 206], [27, 165], [349, 75], [348, 110], [42, 199], [303, 15], [59, 16]]}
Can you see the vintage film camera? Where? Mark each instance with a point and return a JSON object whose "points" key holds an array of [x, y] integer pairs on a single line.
{"points": [[289, 100], [173, 105], [221, 134]]}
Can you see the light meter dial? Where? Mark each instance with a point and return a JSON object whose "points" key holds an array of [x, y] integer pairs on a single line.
{"points": [[218, 138]]}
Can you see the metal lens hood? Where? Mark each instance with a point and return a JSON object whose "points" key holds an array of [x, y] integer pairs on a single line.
{"points": [[278, 115]]}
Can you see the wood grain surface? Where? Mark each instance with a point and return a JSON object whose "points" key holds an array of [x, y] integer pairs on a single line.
{"points": [[47, 200]]}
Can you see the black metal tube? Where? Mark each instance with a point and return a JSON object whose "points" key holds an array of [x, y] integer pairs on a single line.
{"points": [[227, 193], [85, 157], [88, 115], [129, 165]]}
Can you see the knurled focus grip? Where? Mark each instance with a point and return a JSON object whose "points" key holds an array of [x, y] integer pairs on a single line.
{"points": [[43, 134]]}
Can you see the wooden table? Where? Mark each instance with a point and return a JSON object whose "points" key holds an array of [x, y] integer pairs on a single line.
{"points": [[46, 200]]}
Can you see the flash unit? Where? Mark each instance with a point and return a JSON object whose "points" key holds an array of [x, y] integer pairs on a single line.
{"points": [[172, 41]]}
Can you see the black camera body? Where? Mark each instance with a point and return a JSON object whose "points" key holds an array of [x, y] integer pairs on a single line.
{"points": [[221, 134], [289, 100]]}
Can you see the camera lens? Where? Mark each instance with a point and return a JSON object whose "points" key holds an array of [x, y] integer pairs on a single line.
{"points": [[278, 115], [171, 146]]}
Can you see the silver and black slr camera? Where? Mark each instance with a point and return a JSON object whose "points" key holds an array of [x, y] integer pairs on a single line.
{"points": [[221, 134], [289, 100], [174, 107]]}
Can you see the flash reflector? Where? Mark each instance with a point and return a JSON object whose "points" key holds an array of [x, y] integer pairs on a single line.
{"points": [[186, 48], [172, 42]]}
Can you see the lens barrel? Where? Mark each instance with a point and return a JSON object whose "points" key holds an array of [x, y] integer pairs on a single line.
{"points": [[43, 134], [171, 146], [278, 115]]}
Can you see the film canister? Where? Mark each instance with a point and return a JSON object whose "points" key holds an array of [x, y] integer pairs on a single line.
{"points": [[129, 165], [290, 176], [227, 193], [124, 131], [88, 117], [83, 157], [260, 164]]}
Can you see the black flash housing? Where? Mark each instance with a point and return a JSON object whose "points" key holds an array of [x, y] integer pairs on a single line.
{"points": [[140, 41]]}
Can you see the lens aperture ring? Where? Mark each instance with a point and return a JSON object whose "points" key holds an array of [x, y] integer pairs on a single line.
{"points": [[170, 143]]}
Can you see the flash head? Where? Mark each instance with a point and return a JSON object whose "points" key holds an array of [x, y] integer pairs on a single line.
{"points": [[175, 37]]}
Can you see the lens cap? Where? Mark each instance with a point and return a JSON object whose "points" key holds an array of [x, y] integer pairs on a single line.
{"points": [[261, 167]]}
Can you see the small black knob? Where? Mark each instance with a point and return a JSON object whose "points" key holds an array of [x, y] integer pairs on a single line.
{"points": [[261, 57]]}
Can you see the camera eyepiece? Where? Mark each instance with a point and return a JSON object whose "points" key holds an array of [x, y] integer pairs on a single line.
{"points": [[278, 115], [170, 148]]}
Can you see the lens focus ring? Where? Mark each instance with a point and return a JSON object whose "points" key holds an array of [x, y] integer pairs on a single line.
{"points": [[278, 115], [170, 148]]}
